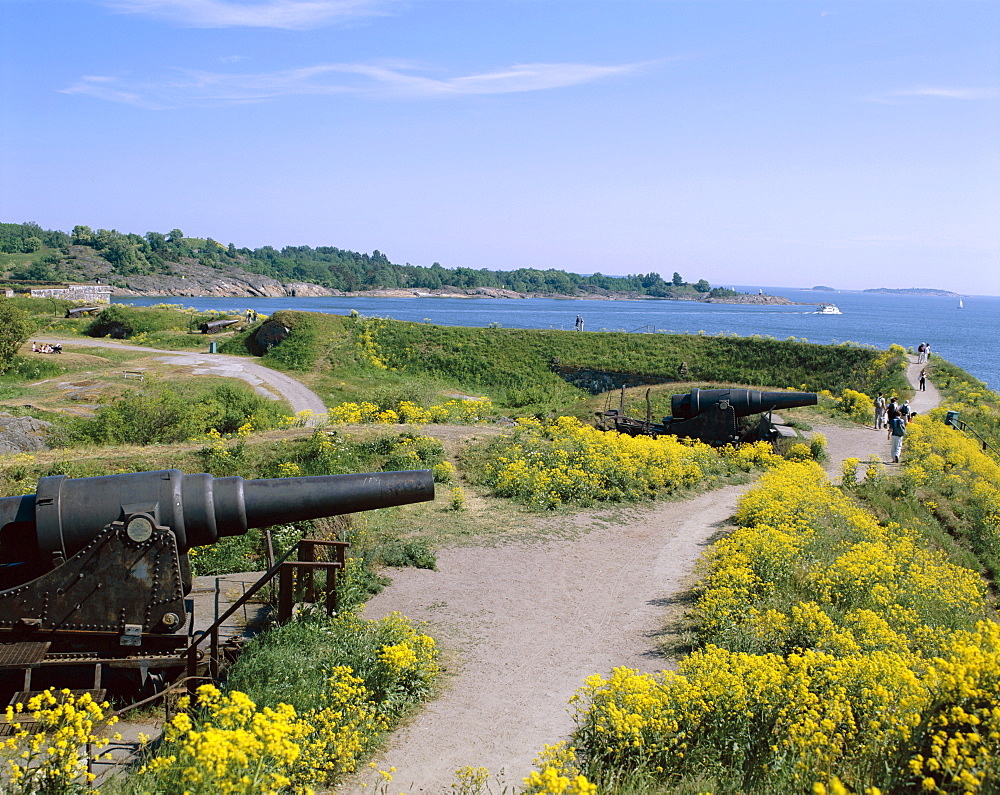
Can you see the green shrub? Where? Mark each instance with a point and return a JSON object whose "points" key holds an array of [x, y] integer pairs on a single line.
{"points": [[121, 322], [291, 664], [159, 413], [151, 414], [412, 552], [230, 405], [15, 326]]}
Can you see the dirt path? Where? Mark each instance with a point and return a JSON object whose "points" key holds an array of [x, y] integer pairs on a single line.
{"points": [[525, 623], [529, 622], [265, 381]]}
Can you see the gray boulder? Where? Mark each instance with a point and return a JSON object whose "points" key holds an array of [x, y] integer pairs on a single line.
{"points": [[22, 434]]}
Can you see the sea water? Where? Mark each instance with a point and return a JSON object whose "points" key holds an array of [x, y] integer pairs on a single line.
{"points": [[965, 335]]}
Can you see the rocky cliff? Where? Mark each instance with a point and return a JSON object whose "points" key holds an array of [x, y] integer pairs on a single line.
{"points": [[186, 278]]}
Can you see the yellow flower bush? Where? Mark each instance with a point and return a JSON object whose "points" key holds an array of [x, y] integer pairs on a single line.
{"points": [[557, 774], [839, 655], [565, 461], [957, 741], [456, 501], [801, 534], [858, 406], [223, 742], [456, 411], [51, 741]]}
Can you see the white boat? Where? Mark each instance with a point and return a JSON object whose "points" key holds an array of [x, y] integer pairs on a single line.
{"points": [[960, 304], [827, 309]]}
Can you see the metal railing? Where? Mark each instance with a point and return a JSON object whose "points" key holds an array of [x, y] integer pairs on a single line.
{"points": [[286, 571], [968, 430]]}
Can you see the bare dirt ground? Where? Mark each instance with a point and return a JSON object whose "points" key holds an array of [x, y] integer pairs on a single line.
{"points": [[523, 624]]}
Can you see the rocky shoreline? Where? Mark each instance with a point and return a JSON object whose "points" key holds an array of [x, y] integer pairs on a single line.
{"points": [[252, 285], [604, 295], [189, 279]]}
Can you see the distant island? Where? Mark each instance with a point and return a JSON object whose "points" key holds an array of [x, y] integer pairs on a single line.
{"points": [[823, 288], [911, 291]]}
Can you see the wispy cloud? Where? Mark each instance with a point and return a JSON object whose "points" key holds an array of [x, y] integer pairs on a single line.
{"points": [[189, 88], [938, 92], [284, 14]]}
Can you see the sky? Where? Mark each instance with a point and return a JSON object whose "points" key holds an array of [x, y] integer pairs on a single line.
{"points": [[850, 144]]}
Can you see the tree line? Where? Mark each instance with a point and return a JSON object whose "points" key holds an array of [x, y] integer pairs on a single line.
{"points": [[335, 268]]}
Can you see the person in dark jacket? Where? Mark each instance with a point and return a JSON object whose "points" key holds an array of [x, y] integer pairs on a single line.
{"points": [[897, 430]]}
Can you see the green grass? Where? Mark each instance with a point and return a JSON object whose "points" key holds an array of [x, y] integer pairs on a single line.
{"points": [[349, 358]]}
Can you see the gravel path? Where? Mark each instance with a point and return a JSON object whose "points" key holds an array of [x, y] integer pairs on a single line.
{"points": [[524, 624], [529, 622], [265, 381]]}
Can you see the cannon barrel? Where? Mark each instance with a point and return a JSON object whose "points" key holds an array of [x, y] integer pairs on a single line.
{"points": [[67, 513], [743, 401]]}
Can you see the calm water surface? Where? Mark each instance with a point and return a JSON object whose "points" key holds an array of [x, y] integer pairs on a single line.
{"points": [[965, 336]]}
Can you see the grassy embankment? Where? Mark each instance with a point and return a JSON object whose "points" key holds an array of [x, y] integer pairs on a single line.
{"points": [[347, 358], [391, 362]]}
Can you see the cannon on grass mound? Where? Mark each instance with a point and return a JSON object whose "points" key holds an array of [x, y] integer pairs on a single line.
{"points": [[714, 416], [94, 572]]}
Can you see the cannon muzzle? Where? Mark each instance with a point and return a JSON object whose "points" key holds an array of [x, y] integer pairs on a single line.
{"points": [[743, 401], [67, 513]]}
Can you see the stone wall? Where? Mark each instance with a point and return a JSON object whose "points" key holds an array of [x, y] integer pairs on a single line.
{"points": [[91, 293]]}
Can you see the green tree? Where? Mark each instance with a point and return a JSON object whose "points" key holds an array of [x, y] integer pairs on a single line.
{"points": [[678, 281], [157, 240], [121, 253], [702, 286], [15, 326], [33, 272], [83, 235]]}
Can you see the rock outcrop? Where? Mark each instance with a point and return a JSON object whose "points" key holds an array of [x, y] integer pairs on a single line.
{"points": [[22, 434], [187, 278]]}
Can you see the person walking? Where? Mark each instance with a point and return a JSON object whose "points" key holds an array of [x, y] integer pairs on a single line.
{"points": [[897, 430], [879, 412], [923, 380], [921, 355]]}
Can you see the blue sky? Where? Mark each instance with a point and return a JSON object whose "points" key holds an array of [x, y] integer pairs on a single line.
{"points": [[853, 144]]}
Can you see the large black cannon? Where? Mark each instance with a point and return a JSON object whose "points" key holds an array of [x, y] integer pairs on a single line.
{"points": [[98, 567], [714, 416]]}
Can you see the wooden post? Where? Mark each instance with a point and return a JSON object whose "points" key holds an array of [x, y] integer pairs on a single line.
{"points": [[307, 554], [286, 585]]}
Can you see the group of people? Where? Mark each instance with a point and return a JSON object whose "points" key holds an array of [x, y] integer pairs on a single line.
{"points": [[893, 417], [251, 315], [579, 323], [45, 348]]}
